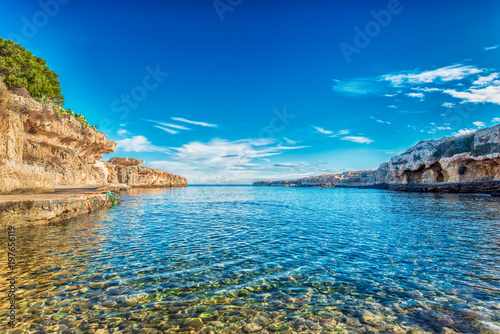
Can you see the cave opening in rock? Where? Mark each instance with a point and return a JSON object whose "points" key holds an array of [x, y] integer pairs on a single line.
{"points": [[440, 177]]}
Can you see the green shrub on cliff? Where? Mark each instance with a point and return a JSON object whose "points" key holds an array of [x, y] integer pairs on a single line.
{"points": [[20, 68], [454, 146], [486, 149]]}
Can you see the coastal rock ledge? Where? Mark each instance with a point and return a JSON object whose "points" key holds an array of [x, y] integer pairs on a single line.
{"points": [[464, 164], [40, 149]]}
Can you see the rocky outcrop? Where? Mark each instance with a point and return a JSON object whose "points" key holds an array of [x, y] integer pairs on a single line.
{"points": [[40, 149], [126, 161], [469, 163], [43, 209], [473, 157], [127, 171]]}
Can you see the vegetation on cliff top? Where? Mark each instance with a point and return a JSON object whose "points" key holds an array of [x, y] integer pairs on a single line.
{"points": [[19, 68], [453, 146], [463, 144]]}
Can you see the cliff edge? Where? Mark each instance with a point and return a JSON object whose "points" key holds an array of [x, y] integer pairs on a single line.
{"points": [[40, 149], [469, 163]]}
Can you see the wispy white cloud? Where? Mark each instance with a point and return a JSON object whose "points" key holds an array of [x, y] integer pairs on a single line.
{"points": [[175, 126], [416, 95], [496, 120], [427, 89], [489, 94], [433, 128], [358, 139], [180, 119], [290, 142], [357, 86], [485, 80], [488, 48], [224, 161], [479, 124], [393, 107], [321, 130], [172, 132], [340, 133], [138, 144], [168, 127], [122, 132], [380, 121], [443, 74], [211, 152], [448, 105]]}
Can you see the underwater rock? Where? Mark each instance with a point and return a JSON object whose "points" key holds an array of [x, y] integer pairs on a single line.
{"points": [[250, 328]]}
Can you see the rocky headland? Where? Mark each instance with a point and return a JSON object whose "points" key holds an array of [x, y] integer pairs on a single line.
{"points": [[468, 164], [42, 150]]}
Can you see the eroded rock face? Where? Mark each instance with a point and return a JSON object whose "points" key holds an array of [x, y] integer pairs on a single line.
{"points": [[141, 176], [126, 161], [39, 150], [470, 158], [467, 158]]}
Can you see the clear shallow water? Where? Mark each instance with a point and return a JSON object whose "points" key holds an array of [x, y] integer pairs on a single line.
{"points": [[264, 259]]}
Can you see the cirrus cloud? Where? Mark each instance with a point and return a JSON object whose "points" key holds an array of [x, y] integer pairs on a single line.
{"points": [[443, 74], [321, 130], [358, 139], [180, 119]]}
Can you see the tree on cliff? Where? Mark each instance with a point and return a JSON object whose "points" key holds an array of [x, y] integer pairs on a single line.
{"points": [[20, 68]]}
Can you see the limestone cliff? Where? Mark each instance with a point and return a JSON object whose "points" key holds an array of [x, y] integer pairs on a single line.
{"points": [[472, 157], [467, 163], [40, 149], [128, 171]]}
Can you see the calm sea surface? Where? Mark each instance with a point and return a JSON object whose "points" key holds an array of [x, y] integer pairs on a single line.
{"points": [[263, 260]]}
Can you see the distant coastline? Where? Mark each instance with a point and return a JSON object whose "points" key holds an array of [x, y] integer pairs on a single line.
{"points": [[464, 164]]}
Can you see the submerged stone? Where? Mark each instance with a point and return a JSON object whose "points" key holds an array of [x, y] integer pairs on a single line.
{"points": [[250, 328]]}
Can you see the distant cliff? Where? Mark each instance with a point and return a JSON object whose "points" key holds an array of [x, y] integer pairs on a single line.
{"points": [[349, 179], [40, 149], [469, 163]]}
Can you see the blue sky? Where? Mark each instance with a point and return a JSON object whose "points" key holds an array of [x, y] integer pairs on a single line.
{"points": [[235, 91]]}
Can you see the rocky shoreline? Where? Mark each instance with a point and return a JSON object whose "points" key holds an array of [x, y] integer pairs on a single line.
{"points": [[464, 164], [40, 209]]}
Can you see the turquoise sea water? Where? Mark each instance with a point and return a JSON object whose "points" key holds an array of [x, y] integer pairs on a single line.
{"points": [[264, 260]]}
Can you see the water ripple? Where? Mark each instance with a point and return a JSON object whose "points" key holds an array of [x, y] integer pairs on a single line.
{"points": [[265, 259]]}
